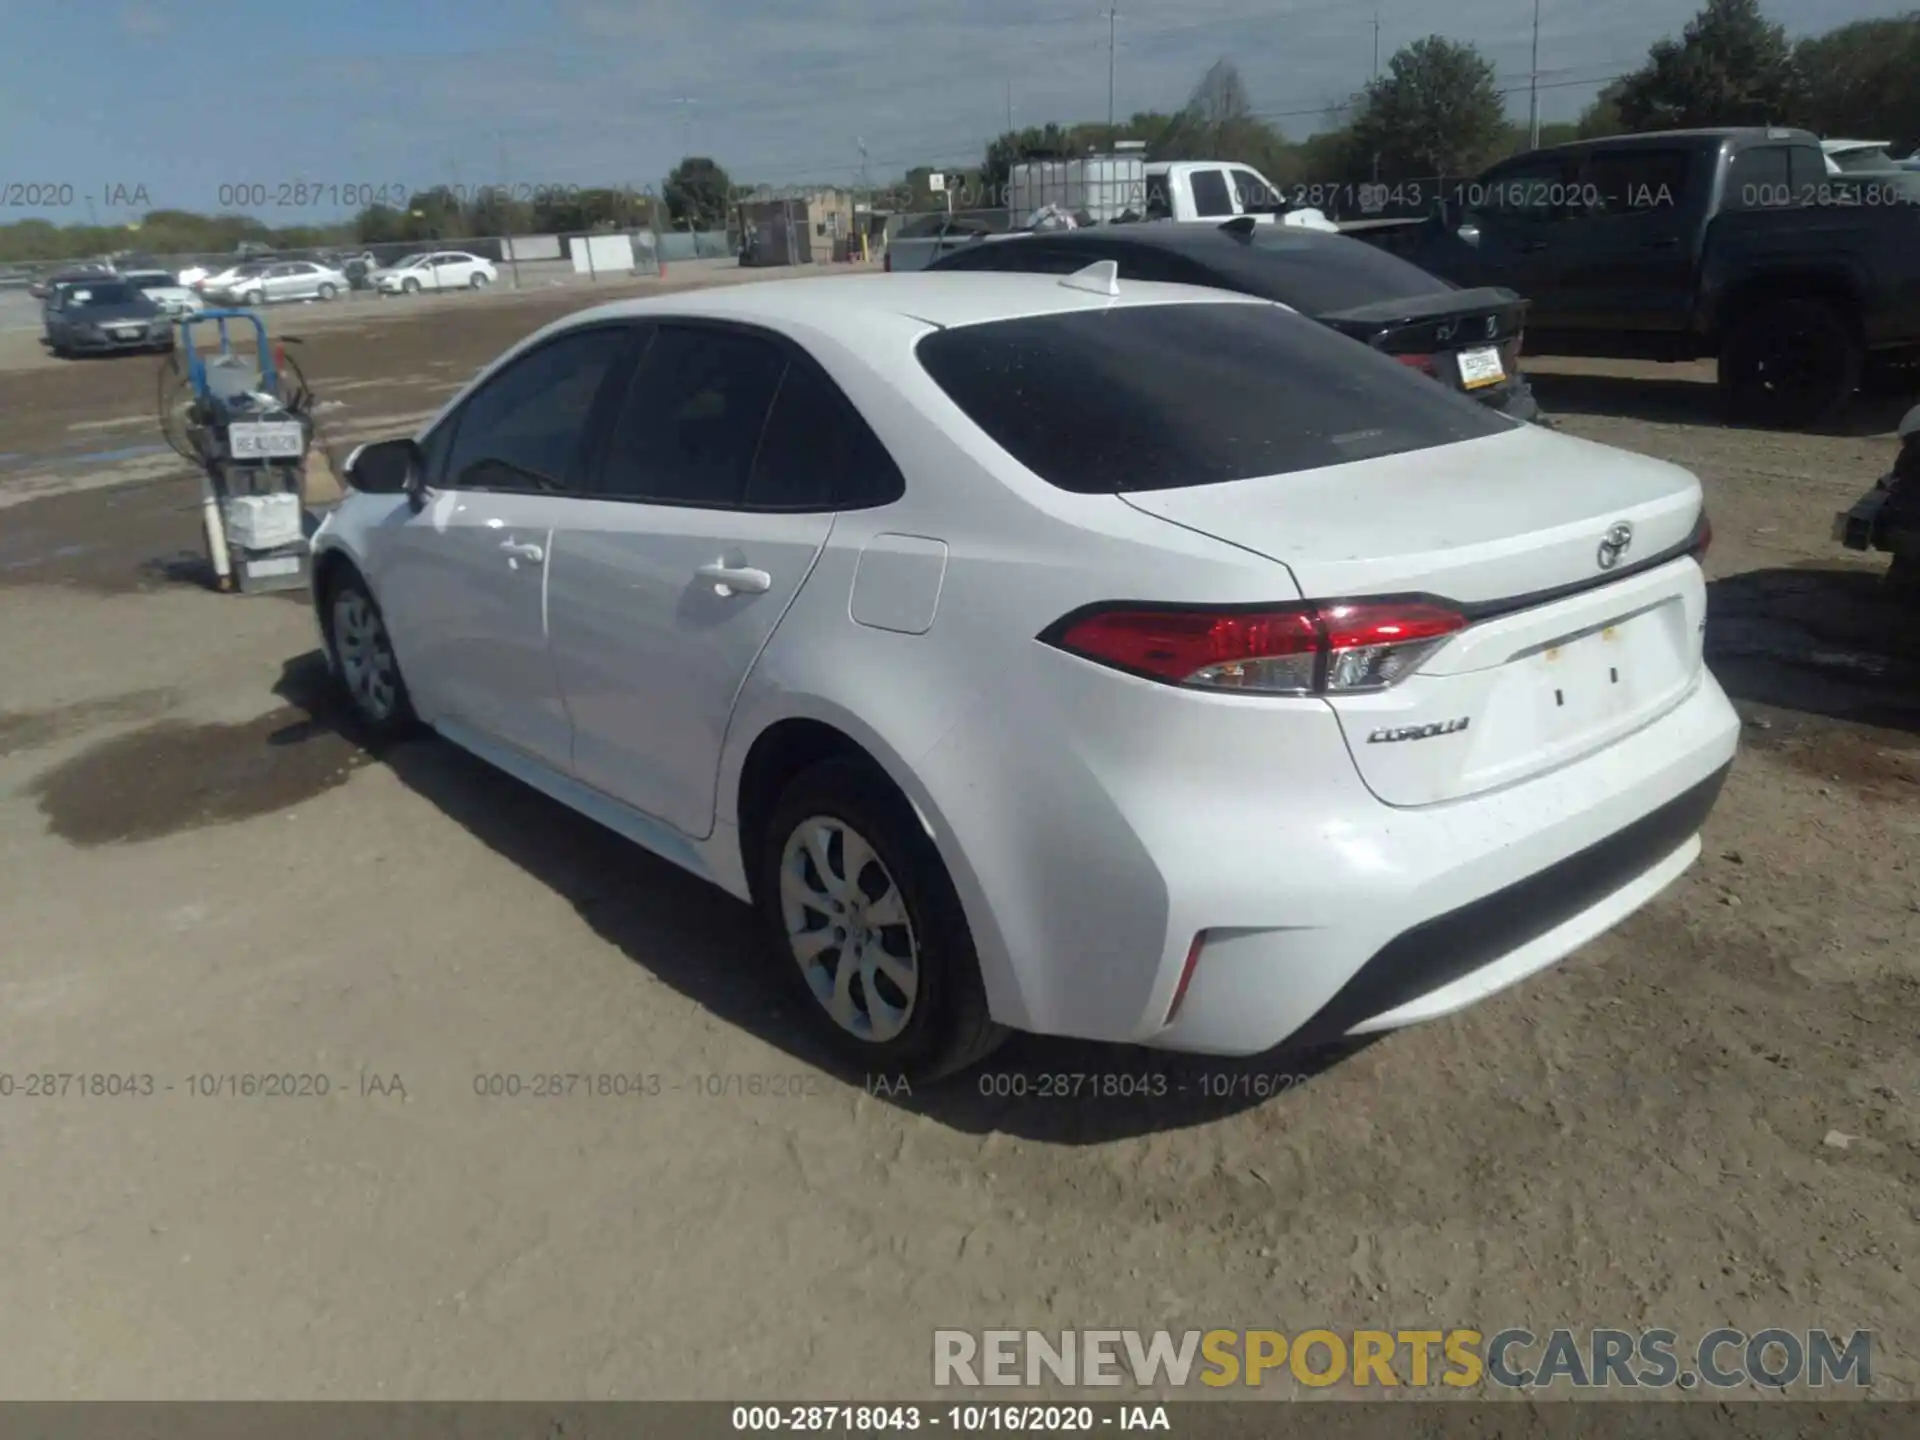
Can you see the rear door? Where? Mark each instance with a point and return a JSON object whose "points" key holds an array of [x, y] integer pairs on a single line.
{"points": [[710, 501]]}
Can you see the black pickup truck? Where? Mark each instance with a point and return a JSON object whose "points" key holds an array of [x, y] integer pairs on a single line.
{"points": [[1732, 244]]}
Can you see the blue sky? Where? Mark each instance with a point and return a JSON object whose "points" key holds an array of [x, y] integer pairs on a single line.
{"points": [[179, 98]]}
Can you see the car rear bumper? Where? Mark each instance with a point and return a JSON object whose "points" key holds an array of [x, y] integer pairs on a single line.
{"points": [[1089, 872]]}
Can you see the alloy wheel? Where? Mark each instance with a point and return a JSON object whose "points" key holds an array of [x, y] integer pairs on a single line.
{"points": [[848, 929], [365, 656]]}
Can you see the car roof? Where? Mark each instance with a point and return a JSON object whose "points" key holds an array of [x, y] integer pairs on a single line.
{"points": [[841, 305], [1176, 235], [1738, 134]]}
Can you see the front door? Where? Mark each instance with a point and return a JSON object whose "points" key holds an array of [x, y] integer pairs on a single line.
{"points": [[1514, 221], [463, 581], [710, 502], [1624, 262]]}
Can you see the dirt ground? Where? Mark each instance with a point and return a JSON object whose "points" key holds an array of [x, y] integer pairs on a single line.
{"points": [[1710, 1117]]}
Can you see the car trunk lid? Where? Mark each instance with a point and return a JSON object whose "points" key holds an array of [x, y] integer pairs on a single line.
{"points": [[1468, 339], [1570, 562]]}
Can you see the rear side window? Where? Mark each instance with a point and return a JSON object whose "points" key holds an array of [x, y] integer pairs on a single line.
{"points": [[1638, 181], [1159, 397], [816, 453], [1322, 274]]}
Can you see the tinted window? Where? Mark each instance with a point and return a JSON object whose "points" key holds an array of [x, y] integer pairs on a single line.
{"points": [[691, 422], [816, 452], [1154, 397], [1758, 179], [1252, 192], [1210, 196], [1638, 182], [1537, 192], [523, 430], [1324, 273]]}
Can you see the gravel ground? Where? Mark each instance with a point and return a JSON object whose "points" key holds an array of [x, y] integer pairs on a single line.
{"points": [[1710, 1117]]}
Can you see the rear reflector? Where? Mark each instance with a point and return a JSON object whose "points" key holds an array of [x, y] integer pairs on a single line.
{"points": [[1186, 975], [1422, 363], [1702, 537], [1326, 648]]}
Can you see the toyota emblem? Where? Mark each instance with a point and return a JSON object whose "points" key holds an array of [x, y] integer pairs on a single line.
{"points": [[1618, 538]]}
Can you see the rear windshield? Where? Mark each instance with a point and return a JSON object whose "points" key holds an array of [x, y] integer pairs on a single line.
{"points": [[1329, 273], [1160, 397]]}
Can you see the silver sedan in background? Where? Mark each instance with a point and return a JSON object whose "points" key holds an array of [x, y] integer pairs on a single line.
{"points": [[279, 280]]}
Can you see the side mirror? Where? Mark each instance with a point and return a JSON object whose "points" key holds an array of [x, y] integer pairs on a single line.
{"points": [[386, 467], [1468, 232], [1910, 427]]}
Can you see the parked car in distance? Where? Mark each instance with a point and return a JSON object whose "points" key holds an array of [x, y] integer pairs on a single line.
{"points": [[435, 270], [1134, 662], [1219, 190], [164, 290], [279, 280], [1467, 339], [217, 283], [41, 288], [1731, 244], [108, 314], [1845, 156]]}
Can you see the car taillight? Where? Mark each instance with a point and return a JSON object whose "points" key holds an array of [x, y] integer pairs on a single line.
{"points": [[1328, 648], [1702, 537]]}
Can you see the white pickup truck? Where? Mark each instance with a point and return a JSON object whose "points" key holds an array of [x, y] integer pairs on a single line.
{"points": [[1215, 190]]}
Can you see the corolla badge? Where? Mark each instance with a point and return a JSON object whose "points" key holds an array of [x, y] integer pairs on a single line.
{"points": [[1396, 733], [1614, 545]]}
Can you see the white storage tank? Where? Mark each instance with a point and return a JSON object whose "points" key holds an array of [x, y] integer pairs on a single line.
{"points": [[1103, 187]]}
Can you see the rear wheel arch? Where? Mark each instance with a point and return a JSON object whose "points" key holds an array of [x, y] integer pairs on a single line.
{"points": [[787, 749], [1763, 291], [779, 754]]}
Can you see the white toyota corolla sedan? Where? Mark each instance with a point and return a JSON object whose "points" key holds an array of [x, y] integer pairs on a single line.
{"points": [[1133, 662]]}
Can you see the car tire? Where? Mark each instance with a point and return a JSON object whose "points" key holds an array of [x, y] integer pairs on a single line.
{"points": [[362, 659], [327, 292], [1790, 364], [253, 299], [925, 1017], [477, 281], [410, 286]]}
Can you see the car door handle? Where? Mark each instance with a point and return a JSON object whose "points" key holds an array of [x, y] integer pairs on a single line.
{"points": [[736, 580], [515, 550]]}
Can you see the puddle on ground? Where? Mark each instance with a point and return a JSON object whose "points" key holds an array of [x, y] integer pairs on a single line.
{"points": [[30, 729], [172, 776]]}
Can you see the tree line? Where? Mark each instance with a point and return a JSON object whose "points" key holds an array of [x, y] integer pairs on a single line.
{"points": [[696, 195], [1436, 110], [1439, 110]]}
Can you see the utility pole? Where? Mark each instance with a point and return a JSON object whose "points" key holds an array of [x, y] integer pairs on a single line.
{"points": [[1113, 15], [506, 210], [1009, 107], [1533, 86], [686, 102], [1376, 44]]}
